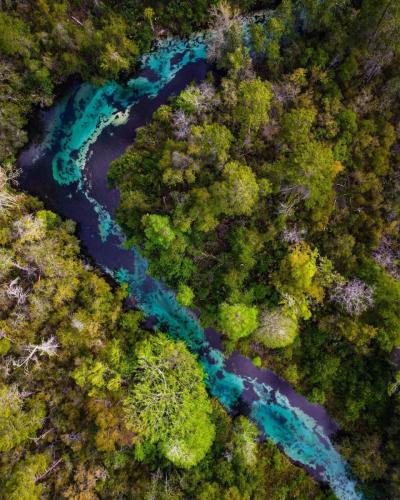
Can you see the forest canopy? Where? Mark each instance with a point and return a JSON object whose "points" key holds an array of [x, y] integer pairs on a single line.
{"points": [[267, 197], [275, 186], [93, 405]]}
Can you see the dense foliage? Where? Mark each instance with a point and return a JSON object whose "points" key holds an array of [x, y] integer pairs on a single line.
{"points": [[93, 406], [271, 198], [43, 43], [268, 198]]}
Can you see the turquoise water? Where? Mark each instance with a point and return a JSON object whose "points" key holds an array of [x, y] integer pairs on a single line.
{"points": [[76, 124], [99, 107]]}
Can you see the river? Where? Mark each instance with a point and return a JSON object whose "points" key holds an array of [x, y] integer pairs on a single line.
{"points": [[83, 132]]}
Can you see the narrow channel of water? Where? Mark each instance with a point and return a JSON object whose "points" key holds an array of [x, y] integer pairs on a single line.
{"points": [[85, 131]]}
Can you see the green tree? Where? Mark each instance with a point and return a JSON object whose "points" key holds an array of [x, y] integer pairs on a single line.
{"points": [[296, 280], [238, 192], [296, 126], [253, 105], [211, 143], [318, 17], [239, 63], [365, 457], [158, 231], [22, 483], [378, 22], [245, 442], [258, 38], [277, 328], [355, 331], [15, 38], [275, 30], [185, 295], [168, 404], [18, 421], [118, 51], [312, 169], [238, 320], [385, 315]]}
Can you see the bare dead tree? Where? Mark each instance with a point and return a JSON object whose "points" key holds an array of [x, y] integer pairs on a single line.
{"points": [[15, 291], [363, 102], [285, 92], [209, 96], [181, 123], [48, 471], [7, 200], [293, 235], [156, 477], [37, 439], [76, 20], [223, 17], [179, 160], [28, 227], [76, 323], [375, 62], [48, 347], [388, 257], [270, 130], [293, 196], [29, 268], [354, 296]]}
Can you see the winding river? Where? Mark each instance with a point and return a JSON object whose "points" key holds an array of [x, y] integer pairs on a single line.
{"points": [[83, 133]]}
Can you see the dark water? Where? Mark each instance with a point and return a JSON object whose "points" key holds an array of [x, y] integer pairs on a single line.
{"points": [[85, 131]]}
